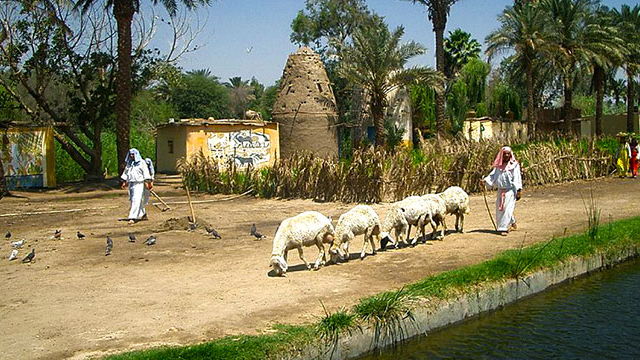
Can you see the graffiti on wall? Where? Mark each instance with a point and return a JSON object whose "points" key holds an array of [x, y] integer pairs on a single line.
{"points": [[23, 158], [243, 147]]}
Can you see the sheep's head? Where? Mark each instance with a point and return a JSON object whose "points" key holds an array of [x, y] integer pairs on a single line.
{"points": [[279, 265], [340, 246], [385, 238]]}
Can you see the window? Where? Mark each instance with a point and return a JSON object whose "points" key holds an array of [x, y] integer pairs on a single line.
{"points": [[170, 144]]}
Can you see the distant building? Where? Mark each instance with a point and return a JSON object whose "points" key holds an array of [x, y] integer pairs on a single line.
{"points": [[28, 157], [305, 106], [486, 128], [240, 142]]}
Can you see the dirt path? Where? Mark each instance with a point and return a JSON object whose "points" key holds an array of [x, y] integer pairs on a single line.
{"points": [[76, 303]]}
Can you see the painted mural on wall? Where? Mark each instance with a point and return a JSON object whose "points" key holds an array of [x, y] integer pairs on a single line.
{"points": [[24, 158], [243, 147]]}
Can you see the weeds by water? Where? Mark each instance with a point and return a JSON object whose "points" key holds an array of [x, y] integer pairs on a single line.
{"points": [[334, 325], [593, 216]]}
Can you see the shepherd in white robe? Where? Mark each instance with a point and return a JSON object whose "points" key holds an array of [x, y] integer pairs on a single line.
{"points": [[507, 179], [137, 178]]}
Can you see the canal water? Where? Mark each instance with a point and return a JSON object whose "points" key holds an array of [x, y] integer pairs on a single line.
{"points": [[594, 317]]}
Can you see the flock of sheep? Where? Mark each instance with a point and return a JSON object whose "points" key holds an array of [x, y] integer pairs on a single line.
{"points": [[312, 228]]}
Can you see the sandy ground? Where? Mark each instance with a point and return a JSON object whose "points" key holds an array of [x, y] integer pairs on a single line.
{"points": [[74, 302]]}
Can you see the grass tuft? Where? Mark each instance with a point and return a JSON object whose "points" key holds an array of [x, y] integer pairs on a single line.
{"points": [[334, 325]]}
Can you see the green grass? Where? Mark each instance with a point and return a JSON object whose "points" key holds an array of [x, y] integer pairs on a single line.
{"points": [[384, 311]]}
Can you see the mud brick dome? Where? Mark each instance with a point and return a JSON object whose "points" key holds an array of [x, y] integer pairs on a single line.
{"points": [[306, 107]]}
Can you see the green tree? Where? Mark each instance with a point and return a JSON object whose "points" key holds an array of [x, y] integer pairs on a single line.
{"points": [[123, 11], [459, 49], [148, 110], [522, 29], [375, 62], [240, 95], [628, 19], [200, 95], [438, 11]]}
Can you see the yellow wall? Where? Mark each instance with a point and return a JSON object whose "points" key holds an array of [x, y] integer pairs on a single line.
{"points": [[190, 140], [494, 129], [46, 147]]}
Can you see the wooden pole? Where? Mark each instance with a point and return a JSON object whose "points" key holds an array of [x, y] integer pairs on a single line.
{"points": [[486, 203], [193, 214], [166, 207]]}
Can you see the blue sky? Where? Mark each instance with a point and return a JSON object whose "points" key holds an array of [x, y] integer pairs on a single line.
{"points": [[233, 26]]}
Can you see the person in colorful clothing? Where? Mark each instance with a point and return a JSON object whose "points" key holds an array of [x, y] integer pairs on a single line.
{"points": [[623, 157], [506, 177], [635, 156]]}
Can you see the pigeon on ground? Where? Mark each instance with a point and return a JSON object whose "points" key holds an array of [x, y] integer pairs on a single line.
{"points": [[80, 235], [57, 234], [29, 258], [109, 246], [132, 238], [7, 235], [255, 233], [211, 231], [192, 226], [17, 244], [14, 254], [151, 240]]}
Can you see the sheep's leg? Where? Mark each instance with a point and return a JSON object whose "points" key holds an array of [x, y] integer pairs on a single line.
{"points": [[462, 223], [302, 258], [444, 228], [458, 222], [363, 253], [321, 259], [434, 227], [409, 234], [373, 243]]}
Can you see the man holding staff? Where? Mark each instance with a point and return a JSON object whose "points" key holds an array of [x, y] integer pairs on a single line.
{"points": [[137, 178], [507, 178]]}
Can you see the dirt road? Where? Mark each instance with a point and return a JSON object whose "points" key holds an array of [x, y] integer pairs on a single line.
{"points": [[75, 302]]}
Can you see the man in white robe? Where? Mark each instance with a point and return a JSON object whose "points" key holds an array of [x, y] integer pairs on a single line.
{"points": [[507, 179], [137, 178]]}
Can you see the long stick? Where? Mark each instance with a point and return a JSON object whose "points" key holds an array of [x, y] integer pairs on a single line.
{"points": [[486, 203], [193, 214], [159, 199]]}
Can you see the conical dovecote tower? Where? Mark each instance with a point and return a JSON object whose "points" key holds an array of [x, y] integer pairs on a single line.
{"points": [[306, 107]]}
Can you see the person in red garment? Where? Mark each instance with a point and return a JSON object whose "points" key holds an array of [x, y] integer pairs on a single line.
{"points": [[635, 156]]}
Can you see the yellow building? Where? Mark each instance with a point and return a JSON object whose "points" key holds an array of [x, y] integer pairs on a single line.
{"points": [[486, 128], [28, 157], [243, 142]]}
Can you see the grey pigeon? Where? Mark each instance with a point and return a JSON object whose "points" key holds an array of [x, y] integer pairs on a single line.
{"points": [[17, 244], [13, 255], [29, 258], [109, 246], [151, 240], [57, 234], [7, 235], [192, 226], [255, 232], [80, 235], [211, 231], [132, 238]]}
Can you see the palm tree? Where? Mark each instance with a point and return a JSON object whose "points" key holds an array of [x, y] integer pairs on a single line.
{"points": [[375, 62], [459, 48], [438, 11], [628, 19], [123, 11], [240, 94], [575, 41], [522, 29]]}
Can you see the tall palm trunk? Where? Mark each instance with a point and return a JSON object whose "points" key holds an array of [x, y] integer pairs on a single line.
{"points": [[3, 180], [568, 106], [377, 112], [598, 83], [630, 99], [439, 24], [531, 116], [123, 12]]}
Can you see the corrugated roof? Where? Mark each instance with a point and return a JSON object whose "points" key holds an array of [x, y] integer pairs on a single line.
{"points": [[211, 121]]}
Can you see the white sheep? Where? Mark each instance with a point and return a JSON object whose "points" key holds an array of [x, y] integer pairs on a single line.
{"points": [[417, 211], [394, 220], [306, 229], [457, 201], [362, 219], [438, 209]]}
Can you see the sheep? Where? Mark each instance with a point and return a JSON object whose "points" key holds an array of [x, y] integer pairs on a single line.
{"points": [[306, 229], [457, 201], [362, 219], [395, 220], [438, 209], [416, 211]]}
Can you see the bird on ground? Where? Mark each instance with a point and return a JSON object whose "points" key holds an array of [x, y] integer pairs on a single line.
{"points": [[7, 235], [29, 258], [151, 240], [57, 234], [255, 232], [132, 238], [192, 226], [211, 231], [109, 246], [80, 235], [13, 255], [17, 244]]}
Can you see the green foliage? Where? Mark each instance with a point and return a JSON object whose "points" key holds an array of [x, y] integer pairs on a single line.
{"points": [[386, 313], [423, 102], [586, 104], [504, 99], [394, 134], [457, 104], [474, 75], [200, 96], [148, 110], [459, 49]]}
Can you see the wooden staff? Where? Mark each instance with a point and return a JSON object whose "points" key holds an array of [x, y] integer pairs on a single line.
{"points": [[193, 214], [486, 203], [166, 207]]}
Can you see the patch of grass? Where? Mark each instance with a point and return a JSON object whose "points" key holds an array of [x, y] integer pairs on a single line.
{"points": [[334, 325], [286, 339]]}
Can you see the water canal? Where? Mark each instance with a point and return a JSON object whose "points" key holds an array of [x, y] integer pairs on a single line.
{"points": [[594, 317]]}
